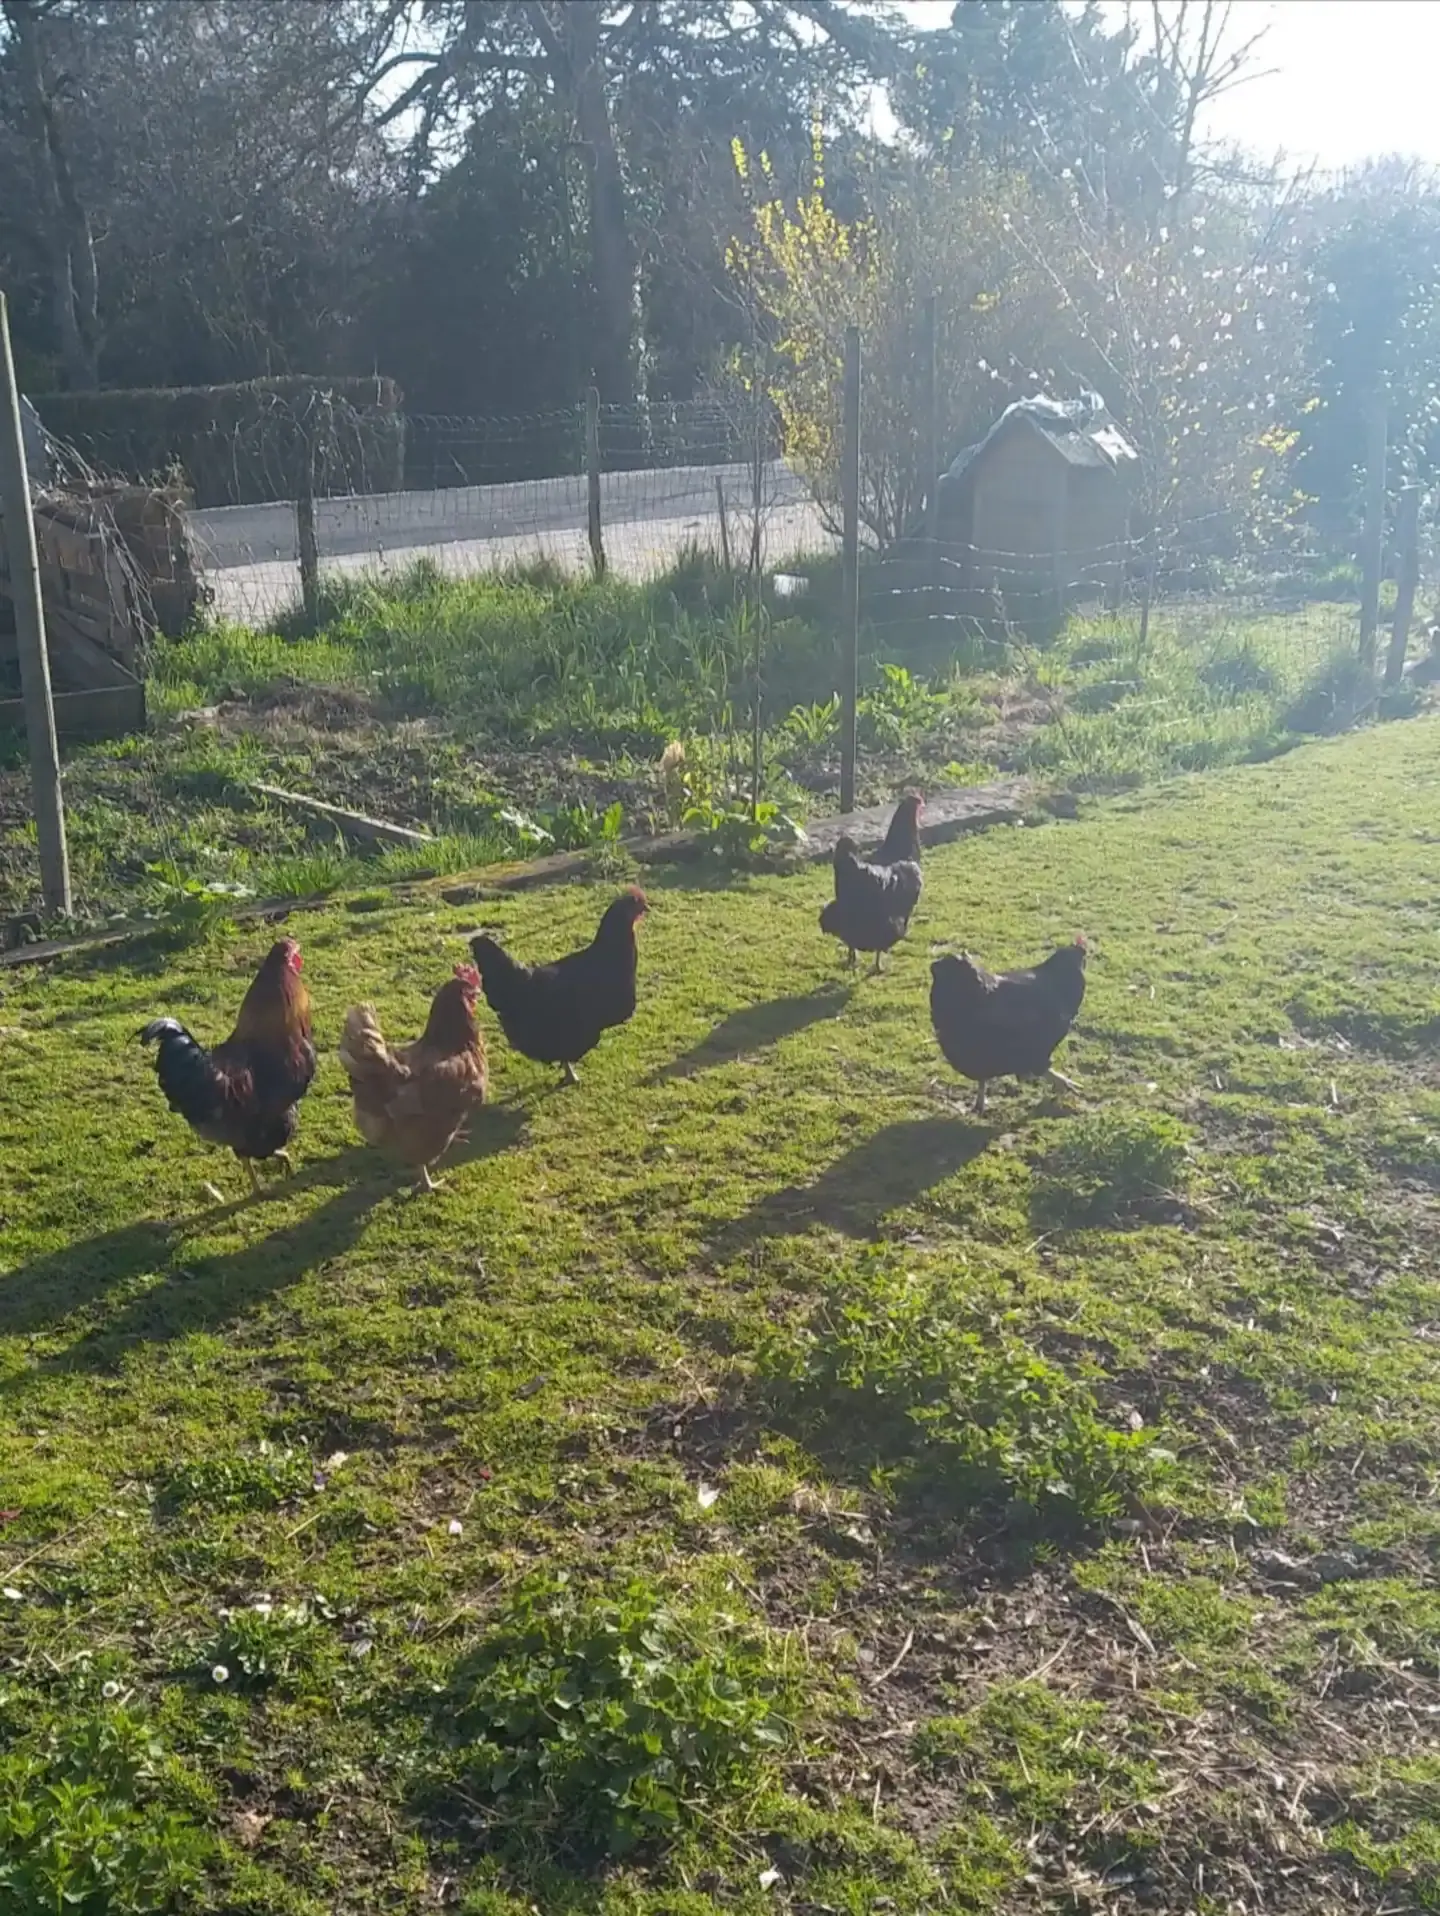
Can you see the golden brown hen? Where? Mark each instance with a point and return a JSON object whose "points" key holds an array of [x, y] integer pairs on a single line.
{"points": [[413, 1100]]}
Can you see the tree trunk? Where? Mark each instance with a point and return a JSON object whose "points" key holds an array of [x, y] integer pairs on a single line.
{"points": [[570, 36], [65, 227]]}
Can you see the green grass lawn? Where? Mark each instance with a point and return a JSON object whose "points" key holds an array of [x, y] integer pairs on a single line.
{"points": [[752, 1483]]}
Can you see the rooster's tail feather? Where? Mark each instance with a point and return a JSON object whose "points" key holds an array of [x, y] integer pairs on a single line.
{"points": [[363, 1046], [182, 1064]]}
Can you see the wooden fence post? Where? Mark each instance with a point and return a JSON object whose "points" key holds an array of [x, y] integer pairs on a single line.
{"points": [[850, 570], [592, 476], [725, 559], [1408, 540], [306, 541], [24, 563], [1372, 545]]}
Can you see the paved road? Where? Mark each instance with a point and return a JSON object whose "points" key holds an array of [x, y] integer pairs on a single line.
{"points": [[648, 518]]}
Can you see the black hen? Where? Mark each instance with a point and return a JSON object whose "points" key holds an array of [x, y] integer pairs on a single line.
{"points": [[244, 1094], [874, 898], [1006, 1024], [556, 1013]]}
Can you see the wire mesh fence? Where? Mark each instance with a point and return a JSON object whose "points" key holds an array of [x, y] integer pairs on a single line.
{"points": [[658, 480], [483, 495]]}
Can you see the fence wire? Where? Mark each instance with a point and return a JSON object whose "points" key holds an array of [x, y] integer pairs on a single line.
{"points": [[477, 496], [483, 495]]}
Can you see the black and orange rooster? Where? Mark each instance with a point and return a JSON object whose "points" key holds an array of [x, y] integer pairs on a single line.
{"points": [[557, 1013], [412, 1101], [244, 1094], [1006, 1024], [875, 898]]}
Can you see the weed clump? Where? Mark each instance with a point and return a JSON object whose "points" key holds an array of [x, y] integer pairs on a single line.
{"points": [[1114, 1168], [92, 1822], [888, 1371], [604, 1719]]}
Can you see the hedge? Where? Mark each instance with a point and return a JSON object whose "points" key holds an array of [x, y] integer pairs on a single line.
{"points": [[241, 444]]}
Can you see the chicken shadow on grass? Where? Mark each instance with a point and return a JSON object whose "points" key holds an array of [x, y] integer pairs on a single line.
{"points": [[887, 1171], [204, 1293], [754, 1028]]}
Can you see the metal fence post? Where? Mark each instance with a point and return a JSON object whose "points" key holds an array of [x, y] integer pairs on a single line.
{"points": [[850, 570], [25, 593]]}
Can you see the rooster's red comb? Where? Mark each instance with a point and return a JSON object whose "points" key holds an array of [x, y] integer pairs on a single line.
{"points": [[468, 975]]}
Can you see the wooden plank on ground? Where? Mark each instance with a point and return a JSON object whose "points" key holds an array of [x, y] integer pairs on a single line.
{"points": [[377, 831]]}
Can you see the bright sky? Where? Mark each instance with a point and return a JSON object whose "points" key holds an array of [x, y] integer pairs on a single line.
{"points": [[1352, 79]]}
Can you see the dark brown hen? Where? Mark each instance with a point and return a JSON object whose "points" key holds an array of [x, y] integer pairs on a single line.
{"points": [[556, 1013], [1006, 1024]]}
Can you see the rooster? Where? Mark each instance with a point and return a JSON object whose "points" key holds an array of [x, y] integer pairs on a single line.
{"points": [[556, 1013], [244, 1095], [412, 1101], [1006, 1024], [874, 898]]}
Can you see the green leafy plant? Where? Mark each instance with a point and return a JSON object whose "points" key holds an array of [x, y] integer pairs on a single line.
{"points": [[731, 835], [607, 1718], [579, 827], [898, 710], [888, 1367], [811, 728], [260, 1479], [270, 1646], [89, 1825]]}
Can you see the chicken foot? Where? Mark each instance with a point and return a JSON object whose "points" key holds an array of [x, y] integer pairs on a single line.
{"points": [[980, 1099], [425, 1182], [1058, 1079], [572, 1076]]}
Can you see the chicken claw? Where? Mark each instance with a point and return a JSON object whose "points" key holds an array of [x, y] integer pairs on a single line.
{"points": [[215, 1195], [425, 1182], [286, 1160], [572, 1076], [1059, 1079]]}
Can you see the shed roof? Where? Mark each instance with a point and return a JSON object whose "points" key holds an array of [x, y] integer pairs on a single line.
{"points": [[1080, 430]]}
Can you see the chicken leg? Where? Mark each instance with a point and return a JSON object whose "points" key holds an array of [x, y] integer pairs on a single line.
{"points": [[425, 1182], [572, 1076], [286, 1159], [1059, 1079], [879, 964], [980, 1100], [249, 1164]]}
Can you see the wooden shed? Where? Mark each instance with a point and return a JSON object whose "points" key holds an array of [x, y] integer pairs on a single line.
{"points": [[1039, 509]]}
